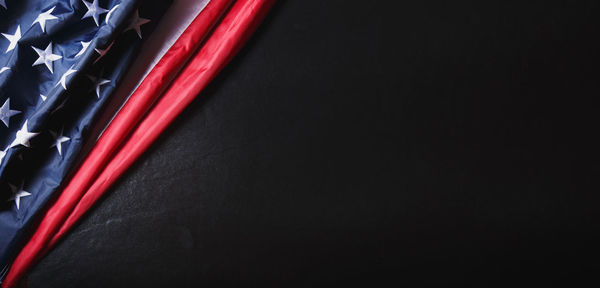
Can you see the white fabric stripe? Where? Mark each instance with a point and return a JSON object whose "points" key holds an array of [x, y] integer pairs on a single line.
{"points": [[174, 22], [179, 16]]}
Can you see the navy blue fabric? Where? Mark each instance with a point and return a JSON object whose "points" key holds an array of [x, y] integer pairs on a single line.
{"points": [[34, 95]]}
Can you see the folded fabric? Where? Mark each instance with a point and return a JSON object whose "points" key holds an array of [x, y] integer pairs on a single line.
{"points": [[61, 62], [222, 45]]}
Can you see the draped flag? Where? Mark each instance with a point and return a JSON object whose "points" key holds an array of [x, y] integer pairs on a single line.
{"points": [[60, 62], [202, 50]]}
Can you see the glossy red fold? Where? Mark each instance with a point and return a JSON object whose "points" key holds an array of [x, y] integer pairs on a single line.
{"points": [[215, 52], [222, 45]]}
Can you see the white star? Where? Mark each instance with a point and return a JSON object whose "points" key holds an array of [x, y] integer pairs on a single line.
{"points": [[63, 78], [3, 4], [43, 17], [136, 22], [18, 193], [58, 140], [43, 97], [98, 82], [46, 57], [13, 38], [110, 13], [4, 69], [103, 52], [6, 113], [84, 46], [23, 136], [94, 10]]}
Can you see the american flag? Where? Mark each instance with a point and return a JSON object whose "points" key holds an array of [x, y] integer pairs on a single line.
{"points": [[60, 63], [65, 65]]}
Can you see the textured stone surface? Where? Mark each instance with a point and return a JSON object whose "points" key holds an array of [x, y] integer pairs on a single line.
{"points": [[355, 142]]}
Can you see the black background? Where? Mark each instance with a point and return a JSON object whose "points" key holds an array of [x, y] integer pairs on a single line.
{"points": [[424, 143]]}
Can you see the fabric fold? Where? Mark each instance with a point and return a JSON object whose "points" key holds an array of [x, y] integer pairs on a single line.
{"points": [[226, 39], [56, 81]]}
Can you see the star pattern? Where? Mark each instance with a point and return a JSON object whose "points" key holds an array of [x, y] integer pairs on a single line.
{"points": [[97, 83], [136, 23], [103, 52], [110, 13], [67, 53], [84, 46], [23, 136], [46, 116], [59, 138], [46, 57], [94, 11], [17, 194], [6, 113], [63, 78], [43, 17], [13, 39]]}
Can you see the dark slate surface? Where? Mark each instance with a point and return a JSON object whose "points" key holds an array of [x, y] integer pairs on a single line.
{"points": [[427, 143]]}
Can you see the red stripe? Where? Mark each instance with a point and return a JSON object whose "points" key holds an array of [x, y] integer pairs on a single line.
{"points": [[132, 112], [227, 39], [230, 35]]}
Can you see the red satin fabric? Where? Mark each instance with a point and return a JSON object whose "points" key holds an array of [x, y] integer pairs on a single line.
{"points": [[222, 45], [124, 122]]}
